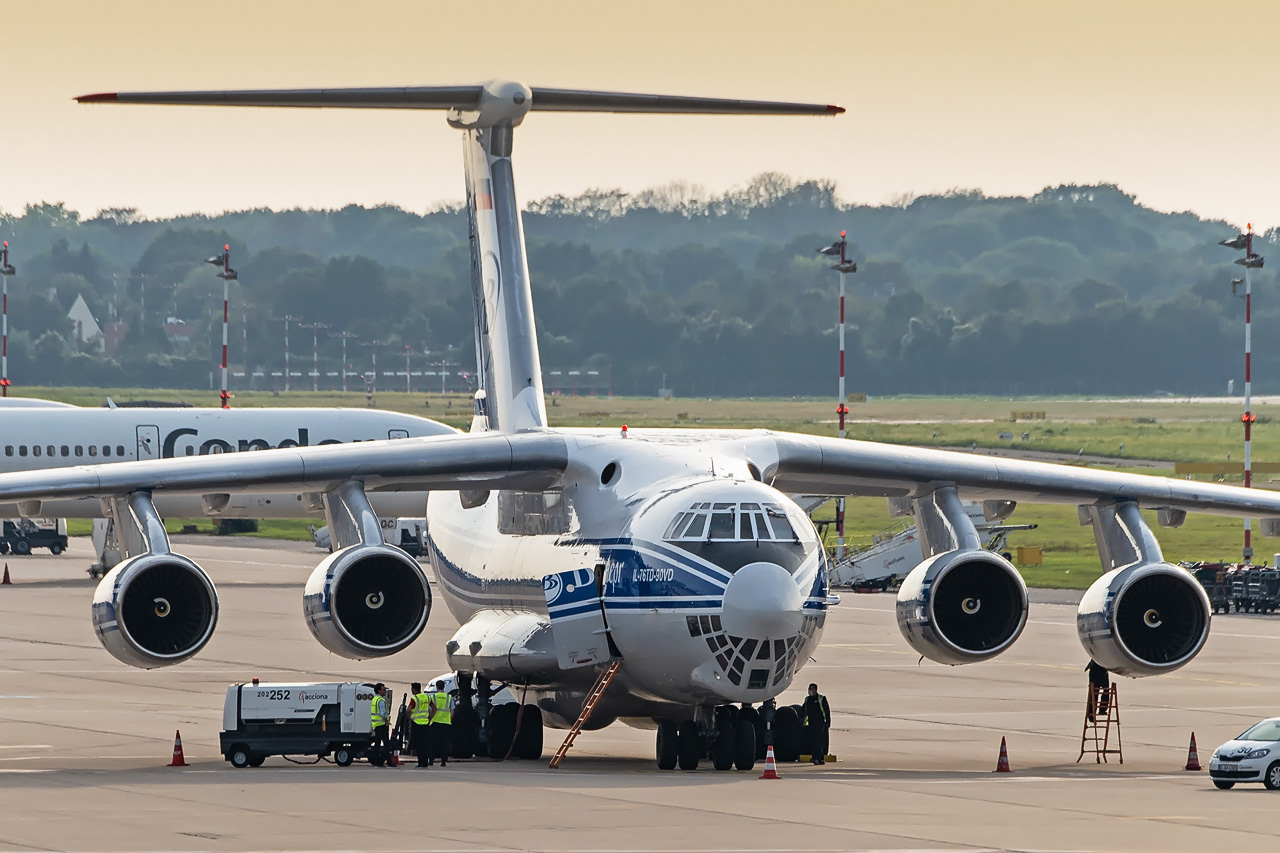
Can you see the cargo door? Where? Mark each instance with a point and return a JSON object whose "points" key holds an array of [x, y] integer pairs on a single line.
{"points": [[577, 618], [148, 442]]}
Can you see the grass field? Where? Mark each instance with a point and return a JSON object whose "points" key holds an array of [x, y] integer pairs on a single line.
{"points": [[1166, 430]]}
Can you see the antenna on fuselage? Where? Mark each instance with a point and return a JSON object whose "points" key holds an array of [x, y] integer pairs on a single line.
{"points": [[506, 338]]}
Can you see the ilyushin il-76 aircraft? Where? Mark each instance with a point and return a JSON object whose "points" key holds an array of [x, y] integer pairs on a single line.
{"points": [[675, 562]]}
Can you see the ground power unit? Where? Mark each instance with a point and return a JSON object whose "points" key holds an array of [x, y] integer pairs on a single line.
{"points": [[321, 719]]}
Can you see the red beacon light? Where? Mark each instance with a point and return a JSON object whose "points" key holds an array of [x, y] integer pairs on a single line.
{"points": [[624, 430]]}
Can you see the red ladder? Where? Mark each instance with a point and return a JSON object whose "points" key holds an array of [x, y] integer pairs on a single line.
{"points": [[1101, 715], [593, 698]]}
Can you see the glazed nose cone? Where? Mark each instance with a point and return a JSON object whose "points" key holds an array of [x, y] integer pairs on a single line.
{"points": [[762, 601]]}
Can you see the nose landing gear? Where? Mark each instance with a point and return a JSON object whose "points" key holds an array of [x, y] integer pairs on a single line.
{"points": [[725, 734]]}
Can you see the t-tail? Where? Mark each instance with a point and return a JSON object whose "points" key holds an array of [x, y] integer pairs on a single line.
{"points": [[505, 332]]}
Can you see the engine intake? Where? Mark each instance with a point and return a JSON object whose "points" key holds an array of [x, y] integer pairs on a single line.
{"points": [[1144, 619], [155, 610], [962, 606], [367, 601]]}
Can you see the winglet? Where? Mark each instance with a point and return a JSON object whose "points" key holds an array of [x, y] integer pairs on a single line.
{"points": [[100, 98]]}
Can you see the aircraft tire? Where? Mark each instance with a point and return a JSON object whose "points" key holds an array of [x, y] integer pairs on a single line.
{"points": [[690, 746], [502, 727], [529, 740], [786, 734], [723, 749], [744, 744], [668, 745]]}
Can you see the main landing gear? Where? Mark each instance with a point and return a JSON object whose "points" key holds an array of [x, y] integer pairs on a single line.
{"points": [[727, 735]]}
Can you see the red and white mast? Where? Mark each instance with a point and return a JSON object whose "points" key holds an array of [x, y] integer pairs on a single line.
{"points": [[6, 270], [227, 275], [844, 267], [1250, 262]]}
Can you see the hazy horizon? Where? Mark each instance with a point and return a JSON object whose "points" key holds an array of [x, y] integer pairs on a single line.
{"points": [[1000, 96]]}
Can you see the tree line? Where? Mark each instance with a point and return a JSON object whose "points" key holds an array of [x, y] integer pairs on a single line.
{"points": [[1075, 290]]}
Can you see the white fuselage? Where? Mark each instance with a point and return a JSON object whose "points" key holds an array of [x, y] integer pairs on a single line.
{"points": [[35, 437], [724, 612]]}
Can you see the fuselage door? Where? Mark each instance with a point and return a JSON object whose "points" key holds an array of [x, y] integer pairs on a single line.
{"points": [[577, 618], [148, 442]]}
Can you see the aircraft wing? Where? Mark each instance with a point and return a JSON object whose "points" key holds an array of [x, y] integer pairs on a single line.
{"points": [[815, 465], [474, 461]]}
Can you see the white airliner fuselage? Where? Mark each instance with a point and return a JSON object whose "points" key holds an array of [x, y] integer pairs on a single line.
{"points": [[40, 434]]}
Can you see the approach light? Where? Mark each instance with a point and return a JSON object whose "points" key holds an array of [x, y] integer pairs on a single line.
{"points": [[847, 266], [1235, 282], [217, 260], [833, 249], [1237, 242], [1252, 262], [1248, 418]]}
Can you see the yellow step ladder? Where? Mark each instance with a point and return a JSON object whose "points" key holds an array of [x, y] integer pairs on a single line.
{"points": [[593, 697], [1101, 714]]}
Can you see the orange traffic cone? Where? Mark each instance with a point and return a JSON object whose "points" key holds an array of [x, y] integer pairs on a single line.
{"points": [[770, 765], [6, 581], [394, 760], [1193, 758], [1002, 766], [178, 760]]}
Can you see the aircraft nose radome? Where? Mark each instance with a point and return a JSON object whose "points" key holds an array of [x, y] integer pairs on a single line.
{"points": [[762, 600]]}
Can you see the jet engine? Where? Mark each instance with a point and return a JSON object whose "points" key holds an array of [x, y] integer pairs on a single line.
{"points": [[1144, 619], [962, 606], [367, 601], [154, 610]]}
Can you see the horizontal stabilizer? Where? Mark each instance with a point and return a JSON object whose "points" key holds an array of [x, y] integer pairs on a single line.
{"points": [[464, 98]]}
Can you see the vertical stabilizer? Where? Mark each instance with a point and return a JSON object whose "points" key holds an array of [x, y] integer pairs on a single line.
{"points": [[506, 335]]}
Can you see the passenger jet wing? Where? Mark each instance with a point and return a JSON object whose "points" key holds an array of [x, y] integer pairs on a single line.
{"points": [[801, 464], [473, 461]]}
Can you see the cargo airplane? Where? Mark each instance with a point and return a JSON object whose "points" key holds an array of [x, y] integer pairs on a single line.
{"points": [[679, 553]]}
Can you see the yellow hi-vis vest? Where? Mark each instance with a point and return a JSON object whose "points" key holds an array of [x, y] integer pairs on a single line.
{"points": [[420, 710], [378, 711], [443, 715]]}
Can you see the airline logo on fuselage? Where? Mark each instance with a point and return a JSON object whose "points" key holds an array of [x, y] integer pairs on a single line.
{"points": [[218, 445]]}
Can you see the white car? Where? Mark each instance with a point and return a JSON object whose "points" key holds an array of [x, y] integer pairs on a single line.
{"points": [[1252, 757]]}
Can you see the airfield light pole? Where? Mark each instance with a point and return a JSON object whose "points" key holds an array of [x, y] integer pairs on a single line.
{"points": [[315, 352], [345, 336], [287, 319], [6, 269], [371, 386], [1250, 261], [227, 275], [845, 266], [408, 352]]}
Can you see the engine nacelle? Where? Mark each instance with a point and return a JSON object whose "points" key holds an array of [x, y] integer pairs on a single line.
{"points": [[155, 610], [962, 606], [1144, 619], [367, 601]]}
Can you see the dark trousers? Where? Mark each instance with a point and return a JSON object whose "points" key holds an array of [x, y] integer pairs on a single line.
{"points": [[379, 736], [441, 742], [420, 740], [821, 741]]}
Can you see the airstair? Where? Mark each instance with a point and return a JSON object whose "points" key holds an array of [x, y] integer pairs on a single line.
{"points": [[589, 706]]}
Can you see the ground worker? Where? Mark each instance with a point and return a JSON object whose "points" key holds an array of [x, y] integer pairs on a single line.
{"points": [[420, 719], [1100, 678], [441, 706], [379, 716], [817, 722]]}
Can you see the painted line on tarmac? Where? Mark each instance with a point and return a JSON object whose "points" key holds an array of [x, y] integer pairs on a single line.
{"points": [[26, 746]]}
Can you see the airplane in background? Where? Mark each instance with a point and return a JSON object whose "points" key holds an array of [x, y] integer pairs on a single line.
{"points": [[43, 434], [667, 574]]}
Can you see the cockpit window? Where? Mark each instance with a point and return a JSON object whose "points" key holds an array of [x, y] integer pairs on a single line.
{"points": [[778, 520], [730, 522]]}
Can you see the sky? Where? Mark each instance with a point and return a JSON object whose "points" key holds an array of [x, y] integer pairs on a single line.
{"points": [[1169, 100]]}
